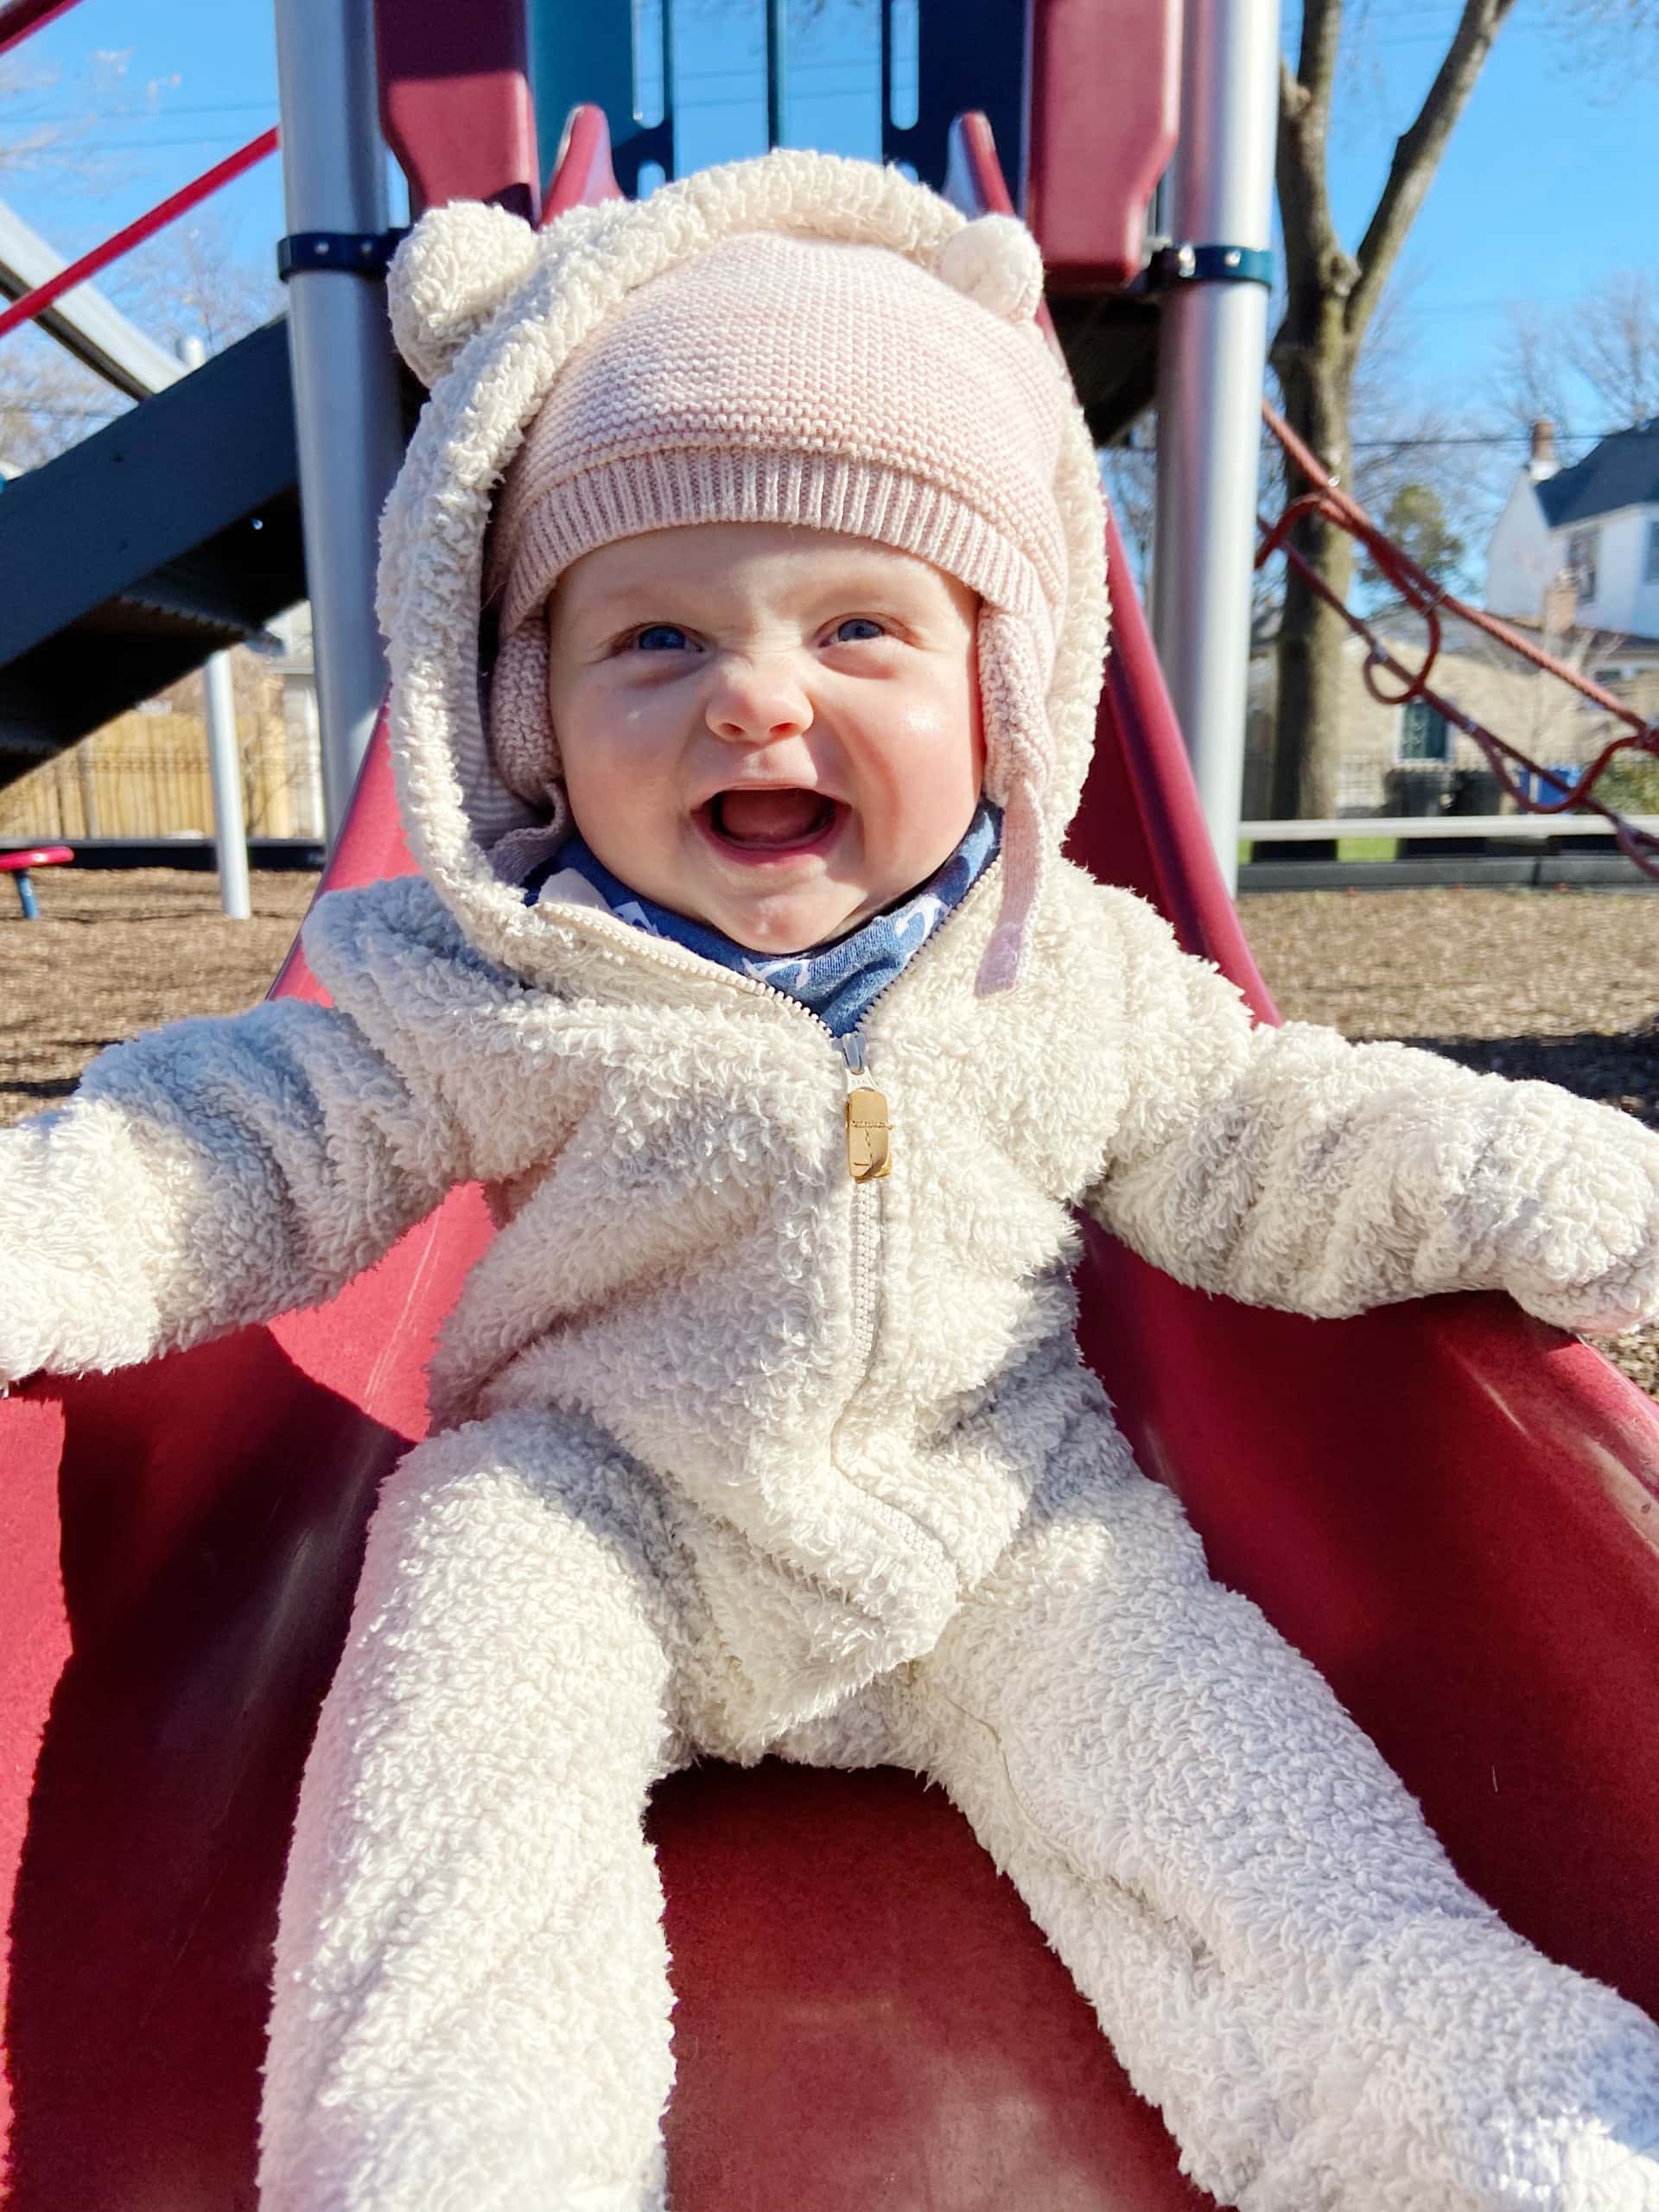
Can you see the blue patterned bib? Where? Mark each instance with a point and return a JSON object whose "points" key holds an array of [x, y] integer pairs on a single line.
{"points": [[838, 982]]}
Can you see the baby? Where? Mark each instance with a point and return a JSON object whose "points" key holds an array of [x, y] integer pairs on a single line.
{"points": [[745, 971]]}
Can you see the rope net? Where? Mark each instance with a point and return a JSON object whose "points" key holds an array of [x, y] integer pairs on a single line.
{"points": [[1521, 776]]}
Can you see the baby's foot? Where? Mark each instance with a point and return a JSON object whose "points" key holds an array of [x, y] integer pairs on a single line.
{"points": [[1466, 2073]]}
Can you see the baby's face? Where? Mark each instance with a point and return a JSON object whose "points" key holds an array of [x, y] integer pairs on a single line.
{"points": [[771, 730]]}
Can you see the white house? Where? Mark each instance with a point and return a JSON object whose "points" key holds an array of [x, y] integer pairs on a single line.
{"points": [[1595, 523]]}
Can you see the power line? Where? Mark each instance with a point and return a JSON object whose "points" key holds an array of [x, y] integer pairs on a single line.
{"points": [[1409, 445], [101, 144], [144, 114], [1505, 438]]}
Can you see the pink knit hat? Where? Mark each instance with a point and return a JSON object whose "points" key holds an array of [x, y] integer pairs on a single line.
{"points": [[775, 378]]}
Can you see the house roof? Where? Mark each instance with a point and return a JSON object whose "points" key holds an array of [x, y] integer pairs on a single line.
{"points": [[1623, 471], [1608, 645], [1397, 625]]}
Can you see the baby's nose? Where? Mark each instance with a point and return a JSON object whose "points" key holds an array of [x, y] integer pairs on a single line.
{"points": [[755, 702]]}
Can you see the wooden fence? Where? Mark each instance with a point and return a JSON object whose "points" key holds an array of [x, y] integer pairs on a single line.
{"points": [[145, 775]]}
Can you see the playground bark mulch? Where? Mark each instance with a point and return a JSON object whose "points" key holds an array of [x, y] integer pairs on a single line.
{"points": [[1562, 985], [117, 951]]}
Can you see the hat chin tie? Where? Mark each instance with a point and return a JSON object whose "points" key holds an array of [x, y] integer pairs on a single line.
{"points": [[525, 750], [1011, 690]]}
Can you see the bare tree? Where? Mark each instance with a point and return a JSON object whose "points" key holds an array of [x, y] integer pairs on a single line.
{"points": [[1331, 300], [1128, 474], [1532, 381], [65, 142], [1612, 340], [1611, 41], [48, 401], [1588, 368], [187, 282]]}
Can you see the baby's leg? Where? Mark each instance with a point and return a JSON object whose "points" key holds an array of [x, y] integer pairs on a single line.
{"points": [[1276, 1945], [471, 2008]]}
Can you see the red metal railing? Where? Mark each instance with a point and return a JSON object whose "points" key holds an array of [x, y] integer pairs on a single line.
{"points": [[18, 20], [1419, 591], [19, 17], [178, 203]]}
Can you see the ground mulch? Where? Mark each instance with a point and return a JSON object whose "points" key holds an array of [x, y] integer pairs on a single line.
{"points": [[117, 951], [1558, 984]]}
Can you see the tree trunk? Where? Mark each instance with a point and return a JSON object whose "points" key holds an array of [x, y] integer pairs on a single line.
{"points": [[1331, 299], [1315, 380]]}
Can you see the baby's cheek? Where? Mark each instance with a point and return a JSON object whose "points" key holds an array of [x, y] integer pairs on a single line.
{"points": [[933, 807]]}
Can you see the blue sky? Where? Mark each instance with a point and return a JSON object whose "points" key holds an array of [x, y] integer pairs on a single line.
{"points": [[1548, 184]]}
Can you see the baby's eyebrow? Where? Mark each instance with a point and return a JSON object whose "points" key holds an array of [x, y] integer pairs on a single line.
{"points": [[697, 600], [614, 596]]}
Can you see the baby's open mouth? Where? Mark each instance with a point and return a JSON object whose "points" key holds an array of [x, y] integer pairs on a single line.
{"points": [[777, 821]]}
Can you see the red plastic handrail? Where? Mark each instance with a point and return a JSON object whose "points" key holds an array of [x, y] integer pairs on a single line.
{"points": [[1141, 813], [178, 203], [455, 101], [583, 175], [20, 18]]}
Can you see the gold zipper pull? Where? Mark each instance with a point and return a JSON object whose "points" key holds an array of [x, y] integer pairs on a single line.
{"points": [[869, 1139], [870, 1152]]}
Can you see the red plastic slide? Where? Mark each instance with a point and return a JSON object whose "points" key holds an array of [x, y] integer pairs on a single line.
{"points": [[1450, 1508]]}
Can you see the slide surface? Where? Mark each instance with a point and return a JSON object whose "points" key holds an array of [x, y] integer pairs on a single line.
{"points": [[1449, 1507]]}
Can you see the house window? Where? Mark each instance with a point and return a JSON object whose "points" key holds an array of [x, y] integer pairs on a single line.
{"points": [[1582, 548], [1651, 566], [1423, 734]]}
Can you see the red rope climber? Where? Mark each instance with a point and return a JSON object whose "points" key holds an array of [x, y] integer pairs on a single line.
{"points": [[1420, 591]]}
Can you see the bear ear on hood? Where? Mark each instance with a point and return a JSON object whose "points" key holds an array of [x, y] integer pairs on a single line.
{"points": [[448, 277], [995, 261]]}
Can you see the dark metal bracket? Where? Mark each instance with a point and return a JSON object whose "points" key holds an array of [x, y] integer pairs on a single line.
{"points": [[358, 253], [1208, 265]]}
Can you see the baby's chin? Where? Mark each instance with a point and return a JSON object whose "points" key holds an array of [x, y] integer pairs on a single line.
{"points": [[787, 928]]}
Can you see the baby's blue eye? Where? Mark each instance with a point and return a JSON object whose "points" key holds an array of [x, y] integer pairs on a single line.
{"points": [[863, 626], [660, 637]]}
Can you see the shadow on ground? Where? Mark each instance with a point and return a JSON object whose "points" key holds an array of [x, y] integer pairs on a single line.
{"points": [[1621, 1070]]}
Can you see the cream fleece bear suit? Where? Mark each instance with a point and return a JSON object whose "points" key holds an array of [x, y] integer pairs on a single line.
{"points": [[734, 1453]]}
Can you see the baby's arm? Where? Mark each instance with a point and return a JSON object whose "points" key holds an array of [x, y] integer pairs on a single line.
{"points": [[209, 1174], [1288, 1167]]}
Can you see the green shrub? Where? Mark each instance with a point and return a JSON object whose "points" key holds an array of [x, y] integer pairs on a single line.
{"points": [[1629, 782]]}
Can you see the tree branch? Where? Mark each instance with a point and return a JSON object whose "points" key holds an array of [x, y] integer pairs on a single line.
{"points": [[1316, 61], [1417, 155], [1310, 235]]}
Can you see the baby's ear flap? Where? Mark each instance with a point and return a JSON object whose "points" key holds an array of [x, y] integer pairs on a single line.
{"points": [[994, 260], [449, 276]]}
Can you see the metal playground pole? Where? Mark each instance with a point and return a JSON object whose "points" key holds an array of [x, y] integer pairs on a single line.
{"points": [[1210, 361], [344, 380], [223, 754]]}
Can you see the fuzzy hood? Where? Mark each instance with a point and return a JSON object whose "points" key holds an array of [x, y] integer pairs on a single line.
{"points": [[489, 312]]}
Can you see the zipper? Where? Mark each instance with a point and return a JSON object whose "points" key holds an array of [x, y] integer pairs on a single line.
{"points": [[869, 1147], [869, 1161], [869, 1153]]}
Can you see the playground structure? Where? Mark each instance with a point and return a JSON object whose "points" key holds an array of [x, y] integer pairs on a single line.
{"points": [[208, 557], [1470, 1560]]}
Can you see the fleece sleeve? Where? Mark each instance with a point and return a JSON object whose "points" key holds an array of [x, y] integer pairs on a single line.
{"points": [[1289, 1167], [208, 1174]]}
